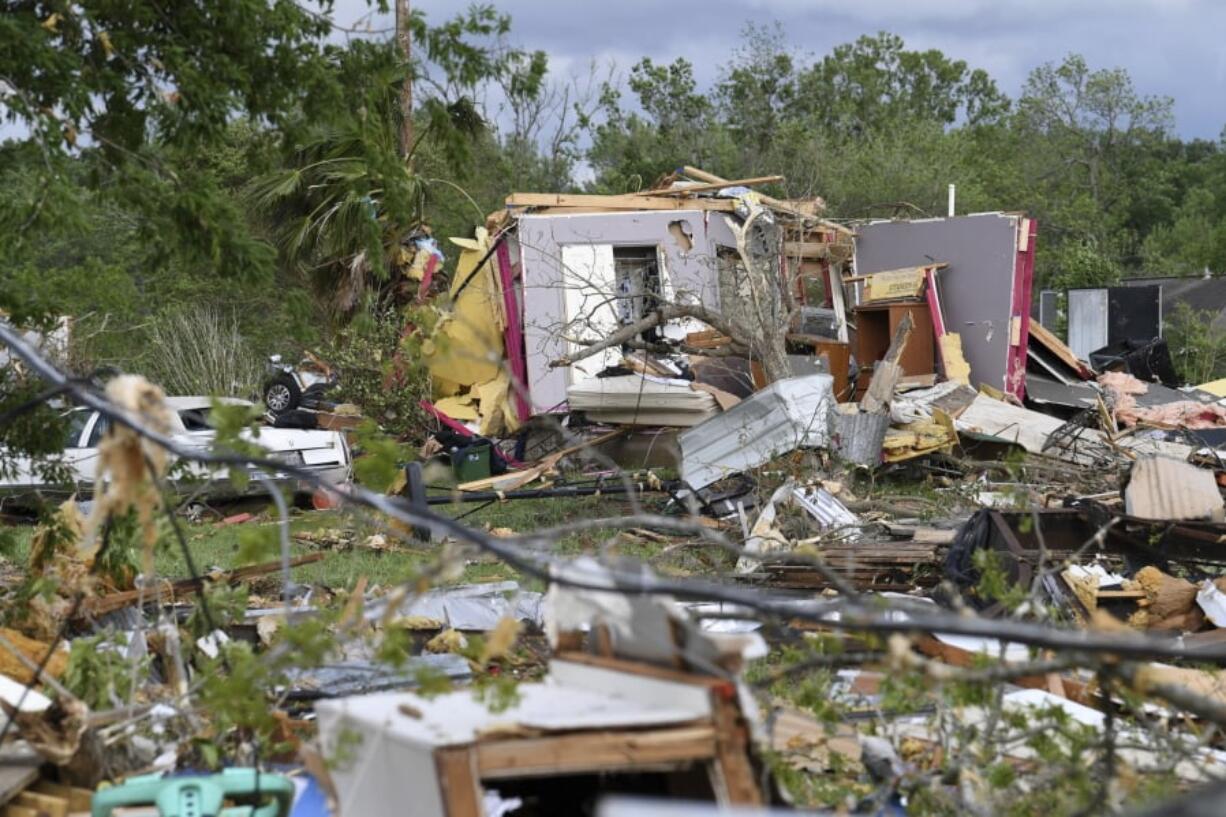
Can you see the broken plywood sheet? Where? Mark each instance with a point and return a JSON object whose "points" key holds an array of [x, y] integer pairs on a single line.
{"points": [[1168, 489], [893, 284], [1031, 429]]}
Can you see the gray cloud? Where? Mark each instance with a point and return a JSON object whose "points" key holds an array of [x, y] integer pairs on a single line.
{"points": [[1169, 47]]}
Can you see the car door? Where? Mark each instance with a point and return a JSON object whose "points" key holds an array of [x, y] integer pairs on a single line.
{"points": [[81, 455]]}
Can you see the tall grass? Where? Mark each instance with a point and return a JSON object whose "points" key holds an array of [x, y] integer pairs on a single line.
{"points": [[199, 350]]}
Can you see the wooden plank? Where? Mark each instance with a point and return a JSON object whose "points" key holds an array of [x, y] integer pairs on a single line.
{"points": [[806, 249], [1119, 594], [45, 804], [621, 202], [168, 590], [773, 203], [709, 186], [1045, 338], [79, 799], [600, 751], [885, 377], [458, 782], [732, 756]]}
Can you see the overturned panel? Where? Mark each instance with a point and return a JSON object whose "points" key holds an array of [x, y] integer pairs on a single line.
{"points": [[786, 415], [985, 290], [570, 269]]}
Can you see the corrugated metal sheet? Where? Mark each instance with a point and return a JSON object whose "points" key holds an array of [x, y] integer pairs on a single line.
{"points": [[1165, 488], [786, 415]]}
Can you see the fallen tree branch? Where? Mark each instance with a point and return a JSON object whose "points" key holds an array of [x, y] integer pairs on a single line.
{"points": [[662, 315]]}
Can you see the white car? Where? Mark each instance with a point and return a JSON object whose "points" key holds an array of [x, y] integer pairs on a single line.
{"points": [[326, 453]]}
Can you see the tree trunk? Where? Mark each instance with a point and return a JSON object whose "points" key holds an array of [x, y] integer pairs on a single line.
{"points": [[405, 40], [751, 297]]}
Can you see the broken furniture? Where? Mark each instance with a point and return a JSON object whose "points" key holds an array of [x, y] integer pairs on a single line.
{"points": [[983, 294], [876, 325], [671, 730]]}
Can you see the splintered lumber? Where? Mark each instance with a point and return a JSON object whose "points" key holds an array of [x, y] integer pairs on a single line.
{"points": [[709, 186], [773, 203], [1043, 336], [587, 752], [629, 201], [167, 590], [806, 249], [888, 372]]}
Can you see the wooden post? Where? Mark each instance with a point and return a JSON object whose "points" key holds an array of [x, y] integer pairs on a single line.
{"points": [[881, 388], [404, 39], [458, 781]]}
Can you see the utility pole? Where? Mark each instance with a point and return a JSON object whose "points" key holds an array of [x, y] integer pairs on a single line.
{"points": [[405, 40]]}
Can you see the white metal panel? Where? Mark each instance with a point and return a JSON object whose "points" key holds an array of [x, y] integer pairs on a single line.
{"points": [[786, 415], [590, 294], [1087, 321]]}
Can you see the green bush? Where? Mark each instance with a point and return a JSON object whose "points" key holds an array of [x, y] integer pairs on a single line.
{"points": [[1198, 348], [382, 373]]}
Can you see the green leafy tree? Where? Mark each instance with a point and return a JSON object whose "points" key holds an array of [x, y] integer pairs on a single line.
{"points": [[875, 83], [678, 125]]}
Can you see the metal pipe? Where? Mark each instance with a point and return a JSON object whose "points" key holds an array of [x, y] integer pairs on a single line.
{"points": [[536, 493]]}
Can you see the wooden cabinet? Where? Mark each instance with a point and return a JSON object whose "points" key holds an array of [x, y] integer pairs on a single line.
{"points": [[875, 325]]}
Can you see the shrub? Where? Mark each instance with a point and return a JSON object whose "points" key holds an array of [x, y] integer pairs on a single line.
{"points": [[1198, 348], [198, 350], [382, 374]]}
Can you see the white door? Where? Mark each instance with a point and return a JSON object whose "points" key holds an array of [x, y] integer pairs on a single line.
{"points": [[590, 296]]}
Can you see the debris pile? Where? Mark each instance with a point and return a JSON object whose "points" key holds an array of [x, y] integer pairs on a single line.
{"points": [[862, 519]]}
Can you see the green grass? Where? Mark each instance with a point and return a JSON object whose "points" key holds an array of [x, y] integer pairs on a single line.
{"points": [[215, 545]]}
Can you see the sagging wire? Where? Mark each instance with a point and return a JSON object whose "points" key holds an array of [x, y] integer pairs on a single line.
{"points": [[844, 614]]}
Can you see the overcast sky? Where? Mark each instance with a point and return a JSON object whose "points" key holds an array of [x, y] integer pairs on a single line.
{"points": [[1173, 48]]}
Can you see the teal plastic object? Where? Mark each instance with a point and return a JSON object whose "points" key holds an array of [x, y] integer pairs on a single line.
{"points": [[200, 796]]}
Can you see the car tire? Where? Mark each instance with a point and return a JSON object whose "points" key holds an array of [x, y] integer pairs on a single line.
{"points": [[282, 394]]}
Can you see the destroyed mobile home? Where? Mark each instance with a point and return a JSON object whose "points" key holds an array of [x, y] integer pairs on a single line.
{"points": [[748, 386]]}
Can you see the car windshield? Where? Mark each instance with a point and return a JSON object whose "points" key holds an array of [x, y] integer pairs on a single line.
{"points": [[76, 420], [196, 419]]}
